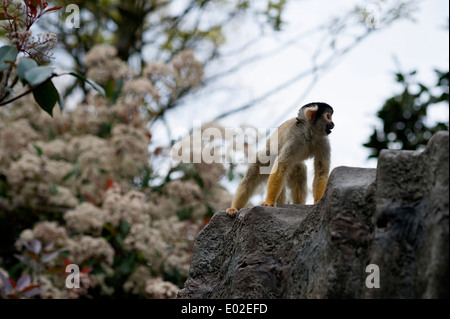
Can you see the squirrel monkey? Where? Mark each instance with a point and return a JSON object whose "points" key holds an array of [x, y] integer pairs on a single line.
{"points": [[298, 139]]}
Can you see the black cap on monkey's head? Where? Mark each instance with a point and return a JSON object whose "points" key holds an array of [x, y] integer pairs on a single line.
{"points": [[321, 108]]}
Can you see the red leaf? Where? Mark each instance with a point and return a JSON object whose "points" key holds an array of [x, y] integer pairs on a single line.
{"points": [[33, 11], [13, 283], [91, 199], [52, 9], [206, 221], [32, 6], [32, 255], [109, 183], [29, 288], [86, 270], [66, 262], [33, 3], [158, 150]]}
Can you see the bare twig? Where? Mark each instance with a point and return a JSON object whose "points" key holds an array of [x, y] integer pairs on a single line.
{"points": [[294, 79], [16, 97], [4, 84], [29, 90], [257, 57]]}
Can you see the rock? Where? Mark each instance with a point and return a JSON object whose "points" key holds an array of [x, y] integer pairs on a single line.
{"points": [[395, 217]]}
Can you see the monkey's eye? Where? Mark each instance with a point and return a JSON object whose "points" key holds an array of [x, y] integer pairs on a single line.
{"points": [[328, 116]]}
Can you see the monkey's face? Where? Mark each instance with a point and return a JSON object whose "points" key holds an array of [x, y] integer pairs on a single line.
{"points": [[329, 125], [319, 115]]}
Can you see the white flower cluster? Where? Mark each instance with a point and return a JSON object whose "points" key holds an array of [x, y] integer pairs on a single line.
{"points": [[159, 289], [85, 218], [103, 64], [131, 208], [86, 248], [47, 232], [38, 47], [78, 170]]}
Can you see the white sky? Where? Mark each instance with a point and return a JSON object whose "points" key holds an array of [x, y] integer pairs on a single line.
{"points": [[356, 87]]}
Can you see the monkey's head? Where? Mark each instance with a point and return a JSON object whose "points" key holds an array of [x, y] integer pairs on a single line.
{"points": [[319, 115]]}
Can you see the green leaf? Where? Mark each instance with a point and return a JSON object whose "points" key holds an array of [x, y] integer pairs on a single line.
{"points": [[74, 172], [400, 77], [38, 75], [38, 149], [53, 189], [423, 88], [7, 53], [127, 264], [97, 87], [46, 96], [25, 64], [113, 88], [124, 227], [230, 174]]}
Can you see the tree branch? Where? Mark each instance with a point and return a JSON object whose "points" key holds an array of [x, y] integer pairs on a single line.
{"points": [[17, 97], [30, 90], [255, 58], [295, 79]]}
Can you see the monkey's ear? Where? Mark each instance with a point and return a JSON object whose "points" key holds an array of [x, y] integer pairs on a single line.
{"points": [[310, 112]]}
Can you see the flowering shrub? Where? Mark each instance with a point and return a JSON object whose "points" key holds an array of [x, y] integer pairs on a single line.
{"points": [[77, 183], [21, 17], [31, 51]]}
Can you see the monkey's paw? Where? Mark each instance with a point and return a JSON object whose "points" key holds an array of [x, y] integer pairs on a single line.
{"points": [[271, 204], [232, 212]]}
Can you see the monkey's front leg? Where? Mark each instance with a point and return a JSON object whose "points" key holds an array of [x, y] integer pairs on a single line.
{"points": [[321, 171], [319, 186], [275, 183]]}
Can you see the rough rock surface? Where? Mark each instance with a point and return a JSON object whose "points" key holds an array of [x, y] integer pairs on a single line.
{"points": [[395, 216]]}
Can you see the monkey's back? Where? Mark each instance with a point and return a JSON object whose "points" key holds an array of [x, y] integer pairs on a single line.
{"points": [[297, 138]]}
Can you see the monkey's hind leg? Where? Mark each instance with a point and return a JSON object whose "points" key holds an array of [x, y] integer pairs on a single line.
{"points": [[275, 184], [247, 186], [297, 182]]}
